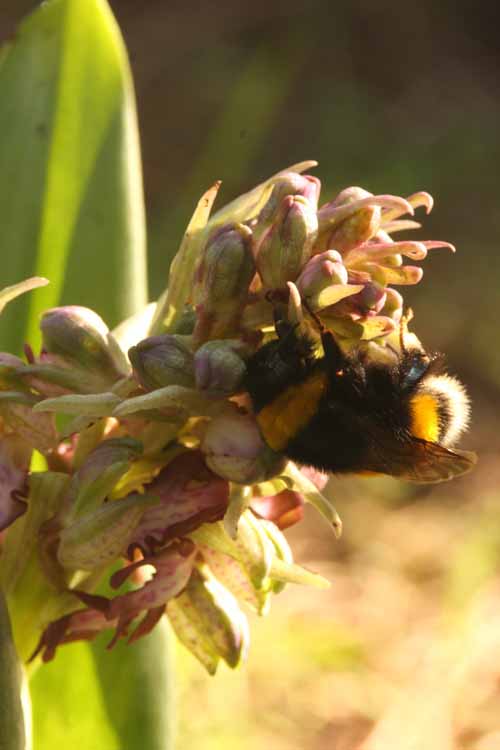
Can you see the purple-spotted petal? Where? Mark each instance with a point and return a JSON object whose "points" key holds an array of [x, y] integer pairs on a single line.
{"points": [[190, 494]]}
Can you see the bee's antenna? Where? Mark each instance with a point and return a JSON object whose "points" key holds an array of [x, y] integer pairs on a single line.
{"points": [[331, 349], [321, 327]]}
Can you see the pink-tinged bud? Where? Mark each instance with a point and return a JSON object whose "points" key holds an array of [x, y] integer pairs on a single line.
{"points": [[320, 272], [222, 280], [286, 246], [162, 360], [324, 281], [346, 196], [371, 299], [208, 621], [80, 337], [234, 449], [291, 184], [219, 367]]}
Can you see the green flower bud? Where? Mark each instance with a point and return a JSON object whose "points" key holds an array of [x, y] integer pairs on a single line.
{"points": [[222, 280], [234, 450], [321, 272], [162, 360], [288, 185], [80, 337], [286, 246], [219, 366]]}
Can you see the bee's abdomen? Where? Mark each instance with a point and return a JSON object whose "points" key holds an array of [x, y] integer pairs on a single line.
{"points": [[285, 416]]}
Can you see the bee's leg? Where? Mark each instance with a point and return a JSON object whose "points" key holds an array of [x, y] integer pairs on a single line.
{"points": [[333, 353], [293, 346], [284, 329]]}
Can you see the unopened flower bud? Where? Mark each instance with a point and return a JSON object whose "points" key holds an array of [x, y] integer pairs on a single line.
{"points": [[286, 246], [222, 280], [234, 449], [371, 299], [290, 184], [219, 366], [320, 272], [80, 337], [162, 360]]}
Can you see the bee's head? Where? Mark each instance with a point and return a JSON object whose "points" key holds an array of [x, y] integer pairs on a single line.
{"points": [[439, 404]]}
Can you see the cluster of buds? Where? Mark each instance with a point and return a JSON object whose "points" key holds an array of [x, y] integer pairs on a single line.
{"points": [[153, 460]]}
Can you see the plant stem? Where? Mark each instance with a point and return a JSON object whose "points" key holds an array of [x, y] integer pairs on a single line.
{"points": [[12, 724]]}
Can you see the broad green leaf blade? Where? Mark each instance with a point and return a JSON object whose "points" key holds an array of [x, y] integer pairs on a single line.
{"points": [[71, 200]]}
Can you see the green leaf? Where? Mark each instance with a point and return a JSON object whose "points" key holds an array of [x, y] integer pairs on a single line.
{"points": [[71, 202], [11, 292], [71, 209]]}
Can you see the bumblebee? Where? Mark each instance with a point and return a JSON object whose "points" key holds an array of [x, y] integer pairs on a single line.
{"points": [[348, 413]]}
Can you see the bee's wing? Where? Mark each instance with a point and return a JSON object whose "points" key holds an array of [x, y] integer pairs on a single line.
{"points": [[422, 461]]}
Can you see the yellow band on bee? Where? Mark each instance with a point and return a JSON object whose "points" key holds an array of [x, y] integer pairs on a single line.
{"points": [[424, 415], [282, 419]]}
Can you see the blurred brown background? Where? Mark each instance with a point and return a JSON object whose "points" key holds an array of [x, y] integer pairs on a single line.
{"points": [[395, 99]]}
